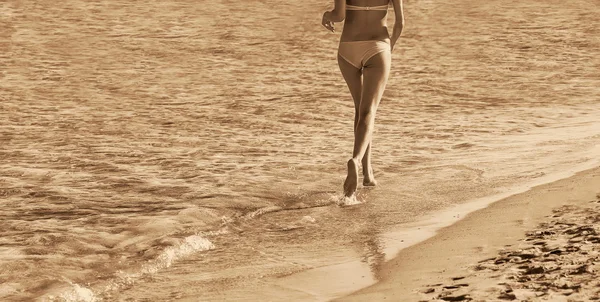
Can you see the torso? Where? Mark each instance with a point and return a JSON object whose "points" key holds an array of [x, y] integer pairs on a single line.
{"points": [[365, 25]]}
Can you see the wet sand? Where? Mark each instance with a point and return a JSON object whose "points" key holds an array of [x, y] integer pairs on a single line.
{"points": [[541, 245]]}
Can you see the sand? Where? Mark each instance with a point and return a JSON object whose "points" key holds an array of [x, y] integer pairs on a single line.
{"points": [[541, 245]]}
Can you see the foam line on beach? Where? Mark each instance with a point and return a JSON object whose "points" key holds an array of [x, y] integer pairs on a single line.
{"points": [[190, 245], [411, 234], [405, 236], [272, 209]]}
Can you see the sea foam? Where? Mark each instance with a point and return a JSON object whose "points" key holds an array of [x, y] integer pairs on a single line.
{"points": [[190, 245]]}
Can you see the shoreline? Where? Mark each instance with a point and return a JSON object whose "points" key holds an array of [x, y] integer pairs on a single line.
{"points": [[367, 274], [357, 277], [483, 233]]}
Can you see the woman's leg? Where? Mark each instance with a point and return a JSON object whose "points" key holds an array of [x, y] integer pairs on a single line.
{"points": [[353, 77], [368, 177], [375, 75]]}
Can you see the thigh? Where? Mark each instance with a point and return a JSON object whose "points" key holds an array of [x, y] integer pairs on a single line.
{"points": [[352, 75], [375, 76]]}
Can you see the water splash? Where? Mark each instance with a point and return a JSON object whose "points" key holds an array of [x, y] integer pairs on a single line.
{"points": [[76, 293], [348, 201], [191, 244]]}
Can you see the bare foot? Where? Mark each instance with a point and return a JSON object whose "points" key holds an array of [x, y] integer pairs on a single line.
{"points": [[368, 178], [351, 182], [369, 182]]}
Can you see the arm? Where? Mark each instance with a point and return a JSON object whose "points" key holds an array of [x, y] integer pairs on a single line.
{"points": [[399, 24], [338, 14]]}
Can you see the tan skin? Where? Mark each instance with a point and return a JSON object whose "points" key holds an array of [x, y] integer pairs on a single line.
{"points": [[366, 85]]}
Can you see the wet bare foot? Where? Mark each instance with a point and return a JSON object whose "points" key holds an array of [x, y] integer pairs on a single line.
{"points": [[351, 182], [369, 182], [368, 178]]}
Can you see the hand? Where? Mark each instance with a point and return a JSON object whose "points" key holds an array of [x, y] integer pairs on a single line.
{"points": [[396, 33], [393, 43], [327, 23]]}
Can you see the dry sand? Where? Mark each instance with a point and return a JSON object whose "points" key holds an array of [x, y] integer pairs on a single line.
{"points": [[541, 245]]}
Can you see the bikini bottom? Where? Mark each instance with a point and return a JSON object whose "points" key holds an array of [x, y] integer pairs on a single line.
{"points": [[358, 53]]}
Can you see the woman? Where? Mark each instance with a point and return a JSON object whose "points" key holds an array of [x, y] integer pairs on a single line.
{"points": [[364, 58]]}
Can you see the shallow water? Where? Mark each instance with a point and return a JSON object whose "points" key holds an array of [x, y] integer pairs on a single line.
{"points": [[183, 149]]}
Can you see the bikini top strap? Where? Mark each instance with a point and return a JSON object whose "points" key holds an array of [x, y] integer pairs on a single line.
{"points": [[356, 7], [377, 7]]}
